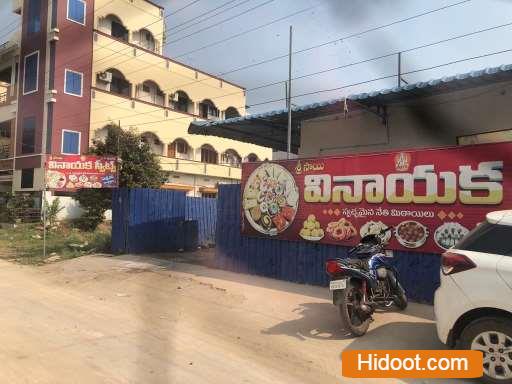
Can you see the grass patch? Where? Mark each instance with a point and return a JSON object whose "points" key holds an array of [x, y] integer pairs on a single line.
{"points": [[24, 243]]}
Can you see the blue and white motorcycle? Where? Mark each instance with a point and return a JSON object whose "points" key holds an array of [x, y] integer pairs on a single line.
{"points": [[365, 281]]}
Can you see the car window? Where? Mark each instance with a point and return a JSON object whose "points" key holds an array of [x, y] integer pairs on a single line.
{"points": [[488, 238]]}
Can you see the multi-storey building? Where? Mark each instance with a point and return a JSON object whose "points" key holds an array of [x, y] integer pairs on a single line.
{"points": [[77, 66]]}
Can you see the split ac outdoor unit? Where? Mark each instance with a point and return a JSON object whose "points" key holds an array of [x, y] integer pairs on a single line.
{"points": [[105, 76]]}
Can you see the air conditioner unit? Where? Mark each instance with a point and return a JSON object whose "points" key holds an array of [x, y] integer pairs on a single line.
{"points": [[175, 97], [105, 76]]}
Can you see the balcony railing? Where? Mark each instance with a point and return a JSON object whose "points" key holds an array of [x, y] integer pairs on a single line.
{"points": [[151, 98], [5, 95], [198, 168], [5, 151]]}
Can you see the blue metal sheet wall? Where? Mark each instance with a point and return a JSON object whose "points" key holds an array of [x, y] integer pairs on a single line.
{"points": [[205, 212], [303, 262], [147, 220], [151, 220]]}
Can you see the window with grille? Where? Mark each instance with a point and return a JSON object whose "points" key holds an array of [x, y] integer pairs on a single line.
{"points": [[208, 155]]}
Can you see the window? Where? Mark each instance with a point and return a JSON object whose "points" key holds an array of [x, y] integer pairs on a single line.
{"points": [[119, 31], [27, 178], [28, 135], [180, 101], [5, 129], [31, 75], [231, 112], [34, 16], [181, 147], [208, 155], [486, 137], [76, 11], [231, 158], [70, 142], [73, 83], [488, 238], [209, 195], [252, 158], [208, 110]]}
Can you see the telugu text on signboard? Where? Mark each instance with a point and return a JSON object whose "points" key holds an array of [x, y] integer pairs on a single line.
{"points": [[431, 198], [72, 172]]}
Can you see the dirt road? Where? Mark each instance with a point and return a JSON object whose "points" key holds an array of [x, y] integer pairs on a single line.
{"points": [[140, 320]]}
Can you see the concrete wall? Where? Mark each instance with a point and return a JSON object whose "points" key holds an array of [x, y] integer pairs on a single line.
{"points": [[426, 122], [197, 182]]}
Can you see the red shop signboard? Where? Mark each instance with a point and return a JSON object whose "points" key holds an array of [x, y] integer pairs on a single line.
{"points": [[431, 197], [72, 172]]}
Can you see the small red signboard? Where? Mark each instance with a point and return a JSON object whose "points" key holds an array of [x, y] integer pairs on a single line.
{"points": [[72, 172], [432, 198]]}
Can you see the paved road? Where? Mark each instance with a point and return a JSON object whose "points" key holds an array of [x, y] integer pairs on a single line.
{"points": [[140, 320]]}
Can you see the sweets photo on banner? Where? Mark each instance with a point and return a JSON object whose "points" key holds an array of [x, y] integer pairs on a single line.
{"points": [[431, 197], [72, 172]]}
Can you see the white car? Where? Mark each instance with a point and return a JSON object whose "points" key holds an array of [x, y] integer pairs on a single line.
{"points": [[473, 305]]}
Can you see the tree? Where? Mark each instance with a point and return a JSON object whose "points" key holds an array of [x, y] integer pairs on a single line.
{"points": [[139, 168]]}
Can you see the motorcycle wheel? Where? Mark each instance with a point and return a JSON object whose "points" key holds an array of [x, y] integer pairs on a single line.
{"points": [[350, 300], [401, 297]]}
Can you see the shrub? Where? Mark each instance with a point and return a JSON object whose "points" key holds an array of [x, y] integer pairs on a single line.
{"points": [[52, 210], [139, 168]]}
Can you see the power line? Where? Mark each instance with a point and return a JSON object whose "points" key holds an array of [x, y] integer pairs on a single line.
{"points": [[279, 57], [185, 7], [373, 29], [382, 56], [220, 22], [389, 76], [248, 31], [356, 34], [353, 63], [8, 25], [8, 34], [245, 12], [205, 13], [309, 93], [319, 45]]}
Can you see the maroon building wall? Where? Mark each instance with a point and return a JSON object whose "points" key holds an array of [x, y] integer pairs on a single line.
{"points": [[73, 51], [32, 105]]}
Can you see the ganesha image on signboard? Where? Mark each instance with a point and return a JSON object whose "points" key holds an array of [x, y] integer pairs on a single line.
{"points": [[270, 199]]}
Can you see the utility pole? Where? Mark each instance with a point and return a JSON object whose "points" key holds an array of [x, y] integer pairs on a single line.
{"points": [[399, 69], [44, 205], [286, 94], [289, 104]]}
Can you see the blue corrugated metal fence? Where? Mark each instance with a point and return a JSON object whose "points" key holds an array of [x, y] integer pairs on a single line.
{"points": [[151, 220], [205, 212], [303, 262]]}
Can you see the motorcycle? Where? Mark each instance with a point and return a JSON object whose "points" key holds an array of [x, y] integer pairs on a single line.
{"points": [[365, 281]]}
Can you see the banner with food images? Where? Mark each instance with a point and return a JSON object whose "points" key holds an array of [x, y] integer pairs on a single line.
{"points": [[72, 172], [431, 198]]}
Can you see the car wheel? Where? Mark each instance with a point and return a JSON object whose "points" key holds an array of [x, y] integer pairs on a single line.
{"points": [[492, 336]]}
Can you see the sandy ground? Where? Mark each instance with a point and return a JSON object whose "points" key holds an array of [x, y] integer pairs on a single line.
{"points": [[132, 319]]}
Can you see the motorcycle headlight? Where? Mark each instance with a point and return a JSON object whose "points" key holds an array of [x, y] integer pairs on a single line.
{"points": [[382, 273]]}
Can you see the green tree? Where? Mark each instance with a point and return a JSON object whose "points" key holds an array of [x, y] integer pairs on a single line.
{"points": [[139, 168]]}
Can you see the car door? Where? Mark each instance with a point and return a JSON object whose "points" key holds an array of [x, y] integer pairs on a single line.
{"points": [[504, 268]]}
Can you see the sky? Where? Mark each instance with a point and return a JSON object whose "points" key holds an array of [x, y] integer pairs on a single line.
{"points": [[320, 21]]}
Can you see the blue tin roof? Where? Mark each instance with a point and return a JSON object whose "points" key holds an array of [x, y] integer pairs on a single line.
{"points": [[270, 124]]}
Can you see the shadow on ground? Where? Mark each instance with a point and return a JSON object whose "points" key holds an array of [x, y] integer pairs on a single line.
{"points": [[206, 258], [321, 321]]}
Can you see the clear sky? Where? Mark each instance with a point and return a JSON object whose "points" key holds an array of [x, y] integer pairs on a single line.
{"points": [[330, 20]]}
